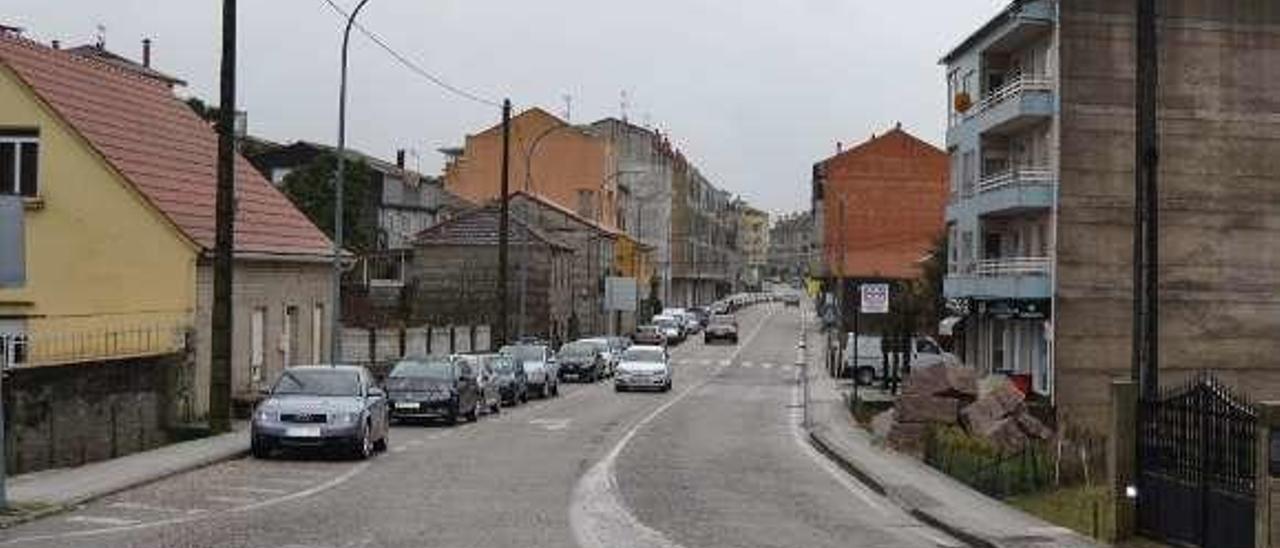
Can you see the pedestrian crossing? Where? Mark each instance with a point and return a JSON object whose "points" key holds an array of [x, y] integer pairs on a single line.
{"points": [[744, 364]]}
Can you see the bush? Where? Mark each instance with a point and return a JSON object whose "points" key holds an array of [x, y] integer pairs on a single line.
{"points": [[979, 464]]}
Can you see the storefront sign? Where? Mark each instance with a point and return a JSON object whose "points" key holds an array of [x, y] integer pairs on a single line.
{"points": [[875, 298]]}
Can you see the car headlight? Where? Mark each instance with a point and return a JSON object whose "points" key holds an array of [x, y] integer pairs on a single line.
{"points": [[265, 415], [346, 418]]}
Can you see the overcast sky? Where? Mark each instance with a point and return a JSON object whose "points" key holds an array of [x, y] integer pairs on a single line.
{"points": [[753, 91]]}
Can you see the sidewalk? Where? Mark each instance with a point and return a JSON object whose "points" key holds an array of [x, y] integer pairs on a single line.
{"points": [[49, 491], [927, 494]]}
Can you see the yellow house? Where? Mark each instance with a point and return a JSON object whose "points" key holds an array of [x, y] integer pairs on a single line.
{"points": [[118, 179]]}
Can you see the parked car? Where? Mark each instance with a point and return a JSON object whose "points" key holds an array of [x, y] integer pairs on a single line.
{"points": [[321, 407], [692, 323], [672, 328], [867, 363], [722, 327], [512, 382], [540, 368], [486, 380], [434, 388], [643, 367], [582, 360], [611, 351], [650, 335]]}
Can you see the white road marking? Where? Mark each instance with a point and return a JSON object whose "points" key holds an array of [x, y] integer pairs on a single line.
{"points": [[747, 364], [153, 508], [706, 362], [551, 425], [256, 490], [334, 482], [414, 443], [597, 514], [230, 500], [399, 449], [766, 365], [103, 520], [287, 481], [724, 363]]}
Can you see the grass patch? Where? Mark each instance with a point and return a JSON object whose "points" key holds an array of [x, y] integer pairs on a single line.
{"points": [[1074, 508]]}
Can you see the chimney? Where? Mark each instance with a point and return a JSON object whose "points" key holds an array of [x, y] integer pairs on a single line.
{"points": [[400, 158], [839, 147], [56, 44], [897, 126], [146, 52]]}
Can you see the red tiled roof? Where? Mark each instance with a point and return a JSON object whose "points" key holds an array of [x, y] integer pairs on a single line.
{"points": [[156, 142], [479, 227]]}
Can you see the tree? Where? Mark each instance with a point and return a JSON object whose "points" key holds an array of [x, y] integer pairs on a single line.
{"points": [[921, 301], [311, 190]]}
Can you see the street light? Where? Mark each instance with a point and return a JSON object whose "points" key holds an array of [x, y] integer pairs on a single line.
{"points": [[335, 323]]}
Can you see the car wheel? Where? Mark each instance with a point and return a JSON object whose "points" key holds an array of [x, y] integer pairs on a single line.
{"points": [[364, 444], [381, 445], [474, 414], [496, 407], [259, 449]]}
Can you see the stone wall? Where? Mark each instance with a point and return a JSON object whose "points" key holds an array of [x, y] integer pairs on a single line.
{"points": [[1219, 201], [60, 416]]}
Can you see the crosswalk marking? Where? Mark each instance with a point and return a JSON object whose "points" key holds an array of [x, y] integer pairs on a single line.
{"points": [[766, 365], [102, 520], [748, 364], [725, 363]]}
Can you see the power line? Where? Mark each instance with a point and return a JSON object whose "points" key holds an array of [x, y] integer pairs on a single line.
{"points": [[411, 65]]}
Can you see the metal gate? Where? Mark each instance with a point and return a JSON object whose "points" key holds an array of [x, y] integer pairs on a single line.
{"points": [[1196, 459]]}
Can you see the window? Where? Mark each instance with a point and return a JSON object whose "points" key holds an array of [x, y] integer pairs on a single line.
{"points": [[317, 334], [19, 162], [257, 340], [289, 338]]}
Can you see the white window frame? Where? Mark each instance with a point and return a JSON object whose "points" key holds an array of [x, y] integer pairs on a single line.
{"points": [[257, 342], [18, 142], [317, 333]]}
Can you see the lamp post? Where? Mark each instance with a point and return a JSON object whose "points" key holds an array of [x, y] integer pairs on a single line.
{"points": [[335, 321]]}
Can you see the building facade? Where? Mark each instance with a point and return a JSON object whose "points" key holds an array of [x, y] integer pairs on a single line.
{"points": [[1041, 138], [790, 246], [119, 232], [753, 244]]}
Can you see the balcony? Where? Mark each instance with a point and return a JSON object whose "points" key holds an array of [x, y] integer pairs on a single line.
{"points": [[1003, 278], [1011, 192], [1024, 101]]}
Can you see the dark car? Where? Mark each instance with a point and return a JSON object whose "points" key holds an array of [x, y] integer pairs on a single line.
{"points": [[583, 360], [648, 335], [721, 327], [321, 407], [513, 384], [433, 388]]}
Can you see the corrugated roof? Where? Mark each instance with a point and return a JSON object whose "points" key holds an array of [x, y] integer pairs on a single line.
{"points": [[479, 227], [161, 147]]}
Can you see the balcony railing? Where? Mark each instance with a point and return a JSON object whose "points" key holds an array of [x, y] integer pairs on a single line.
{"points": [[1034, 176], [1014, 88], [72, 346], [1014, 266]]}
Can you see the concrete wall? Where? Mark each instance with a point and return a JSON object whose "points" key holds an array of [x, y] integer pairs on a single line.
{"points": [[272, 286], [59, 416], [1219, 235]]}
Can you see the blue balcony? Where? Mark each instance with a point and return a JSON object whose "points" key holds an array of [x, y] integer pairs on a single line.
{"points": [[1007, 193], [1004, 278]]}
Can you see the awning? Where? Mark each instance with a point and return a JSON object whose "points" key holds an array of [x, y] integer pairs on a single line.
{"points": [[948, 325]]}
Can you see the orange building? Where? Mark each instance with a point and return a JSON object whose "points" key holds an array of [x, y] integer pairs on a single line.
{"points": [[882, 206], [560, 162]]}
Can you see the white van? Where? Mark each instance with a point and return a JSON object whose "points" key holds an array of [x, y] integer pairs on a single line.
{"points": [[867, 364]]}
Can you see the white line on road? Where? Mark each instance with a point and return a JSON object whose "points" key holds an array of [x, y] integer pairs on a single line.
{"points": [[597, 514], [747, 364], [724, 363], [102, 520], [766, 365], [287, 481], [230, 500], [399, 449], [339, 480], [153, 508], [256, 490]]}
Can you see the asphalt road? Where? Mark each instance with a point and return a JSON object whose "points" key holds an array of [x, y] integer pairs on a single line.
{"points": [[718, 461]]}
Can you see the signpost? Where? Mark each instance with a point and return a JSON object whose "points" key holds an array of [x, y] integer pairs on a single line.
{"points": [[875, 298]]}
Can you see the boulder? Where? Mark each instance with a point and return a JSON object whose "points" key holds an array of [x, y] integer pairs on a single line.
{"points": [[1032, 426], [962, 382], [926, 381], [1006, 435], [927, 408], [999, 402]]}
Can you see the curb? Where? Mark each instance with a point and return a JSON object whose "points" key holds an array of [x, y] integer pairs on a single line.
{"points": [[869, 479], [54, 508]]}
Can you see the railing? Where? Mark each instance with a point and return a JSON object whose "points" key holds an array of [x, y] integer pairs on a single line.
{"points": [[383, 269], [1034, 176], [1014, 266], [1010, 90], [60, 347]]}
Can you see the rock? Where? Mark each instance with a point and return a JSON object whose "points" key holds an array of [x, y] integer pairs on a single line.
{"points": [[1032, 426], [926, 381], [934, 409], [909, 437], [962, 382], [1006, 435], [881, 425], [999, 401]]}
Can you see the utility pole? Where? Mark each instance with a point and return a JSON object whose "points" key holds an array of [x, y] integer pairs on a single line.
{"points": [[1146, 243], [504, 221], [339, 184], [224, 232]]}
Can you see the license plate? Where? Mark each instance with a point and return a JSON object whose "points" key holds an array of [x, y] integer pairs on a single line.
{"points": [[407, 405], [302, 432]]}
